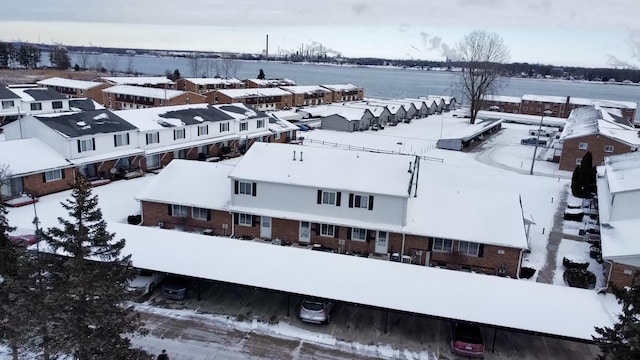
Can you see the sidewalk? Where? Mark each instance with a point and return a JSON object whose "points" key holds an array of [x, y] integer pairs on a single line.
{"points": [[545, 275]]}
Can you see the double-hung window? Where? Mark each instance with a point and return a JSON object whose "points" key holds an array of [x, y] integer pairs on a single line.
{"points": [[442, 245], [358, 234], [468, 248], [245, 220], [608, 148], [203, 130], [361, 201], [120, 140], [260, 124], [178, 134], [327, 230], [36, 106], [244, 187], [53, 175], [583, 146], [329, 197], [224, 127], [153, 138], [56, 105], [200, 213], [86, 145], [244, 126], [178, 210], [7, 104]]}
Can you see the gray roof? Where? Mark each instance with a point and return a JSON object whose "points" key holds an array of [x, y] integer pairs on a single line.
{"points": [[243, 111], [86, 123], [42, 94], [84, 104], [189, 116], [7, 94]]}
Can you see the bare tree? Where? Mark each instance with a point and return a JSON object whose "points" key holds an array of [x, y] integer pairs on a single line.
{"points": [[130, 61], [230, 67], [194, 64], [113, 64], [481, 54]]}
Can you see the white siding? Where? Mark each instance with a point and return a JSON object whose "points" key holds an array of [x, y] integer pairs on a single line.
{"points": [[104, 144], [624, 205]]}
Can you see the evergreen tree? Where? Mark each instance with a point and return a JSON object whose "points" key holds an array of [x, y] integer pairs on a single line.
{"points": [[28, 56], [176, 75], [623, 340], [8, 276], [6, 54], [92, 288], [59, 58], [261, 75], [583, 180]]}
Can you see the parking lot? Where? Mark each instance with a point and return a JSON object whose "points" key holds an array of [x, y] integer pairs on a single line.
{"points": [[365, 326]]}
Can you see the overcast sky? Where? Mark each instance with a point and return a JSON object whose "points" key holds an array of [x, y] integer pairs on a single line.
{"points": [[559, 32]]}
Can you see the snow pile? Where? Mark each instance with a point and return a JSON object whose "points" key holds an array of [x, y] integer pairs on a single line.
{"points": [[198, 118]]}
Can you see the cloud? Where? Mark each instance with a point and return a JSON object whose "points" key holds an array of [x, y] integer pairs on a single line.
{"points": [[618, 63], [425, 38], [435, 42], [359, 8], [403, 27], [448, 52]]}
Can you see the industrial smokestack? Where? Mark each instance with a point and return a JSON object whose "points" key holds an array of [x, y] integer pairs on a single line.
{"points": [[267, 48]]}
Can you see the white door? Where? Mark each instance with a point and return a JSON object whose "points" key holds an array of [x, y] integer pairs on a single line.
{"points": [[305, 232], [265, 227], [382, 242]]}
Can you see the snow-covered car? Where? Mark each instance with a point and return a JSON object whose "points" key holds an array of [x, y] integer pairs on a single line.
{"points": [[145, 281], [540, 132]]}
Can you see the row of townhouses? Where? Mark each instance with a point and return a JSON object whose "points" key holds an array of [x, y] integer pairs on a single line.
{"points": [[560, 106]]}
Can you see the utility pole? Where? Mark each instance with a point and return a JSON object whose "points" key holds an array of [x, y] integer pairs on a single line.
{"points": [[535, 149]]}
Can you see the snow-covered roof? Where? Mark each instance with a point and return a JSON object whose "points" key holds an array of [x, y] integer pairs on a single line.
{"points": [[30, 156], [111, 155], [499, 223], [208, 187], [376, 110], [545, 98], [31, 94], [447, 294], [241, 111], [162, 117], [623, 172], [589, 120], [446, 99], [341, 87], [406, 105], [84, 104], [305, 89], [69, 83], [273, 82], [253, 92], [280, 125], [319, 167], [393, 107], [77, 124], [138, 80], [149, 92], [616, 104], [500, 98], [214, 81], [473, 130], [348, 113], [288, 115]]}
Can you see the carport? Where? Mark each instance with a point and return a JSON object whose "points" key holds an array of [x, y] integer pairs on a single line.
{"points": [[469, 134], [489, 301]]}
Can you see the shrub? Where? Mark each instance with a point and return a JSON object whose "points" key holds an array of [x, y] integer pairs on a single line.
{"points": [[579, 278], [134, 219], [575, 263], [526, 272]]}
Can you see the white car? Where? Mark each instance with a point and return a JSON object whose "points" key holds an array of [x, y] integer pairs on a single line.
{"points": [[540, 132], [145, 281]]}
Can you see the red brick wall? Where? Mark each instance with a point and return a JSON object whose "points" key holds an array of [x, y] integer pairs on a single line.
{"points": [[34, 184], [507, 107], [539, 107], [621, 279], [491, 259], [596, 144], [153, 213]]}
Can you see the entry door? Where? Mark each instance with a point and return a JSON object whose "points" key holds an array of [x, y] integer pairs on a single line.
{"points": [[265, 227], [305, 232], [382, 242]]}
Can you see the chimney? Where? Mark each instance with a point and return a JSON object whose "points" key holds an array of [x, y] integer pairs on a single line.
{"points": [[294, 155], [300, 155]]}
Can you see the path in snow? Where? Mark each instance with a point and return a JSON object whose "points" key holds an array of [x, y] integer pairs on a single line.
{"points": [[545, 275]]}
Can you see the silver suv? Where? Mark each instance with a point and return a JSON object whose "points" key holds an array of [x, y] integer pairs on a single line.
{"points": [[316, 311]]}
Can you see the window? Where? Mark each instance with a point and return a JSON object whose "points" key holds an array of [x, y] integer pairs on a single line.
{"points": [[7, 104], [224, 127], [468, 248], [608, 148], [578, 161], [245, 220], [358, 234], [153, 138], [277, 136], [244, 187], [361, 201], [86, 145], [180, 154], [178, 134], [329, 197], [153, 161], [53, 175], [203, 130], [442, 245], [244, 126], [200, 213], [327, 230], [36, 106], [260, 123], [56, 104], [583, 146], [120, 140], [178, 210]]}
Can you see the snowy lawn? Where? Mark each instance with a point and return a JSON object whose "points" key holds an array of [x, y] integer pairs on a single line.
{"points": [[577, 249]]}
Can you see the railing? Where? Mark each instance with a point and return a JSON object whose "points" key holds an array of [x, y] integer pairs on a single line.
{"points": [[362, 148]]}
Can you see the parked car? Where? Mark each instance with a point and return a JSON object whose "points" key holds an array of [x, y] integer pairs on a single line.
{"points": [[23, 240], [541, 132], [303, 127], [145, 282], [533, 141], [316, 311], [320, 247], [466, 340], [176, 288]]}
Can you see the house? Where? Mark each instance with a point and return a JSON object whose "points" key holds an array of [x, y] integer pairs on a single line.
{"points": [[347, 119], [410, 110], [381, 113], [538, 104], [594, 130], [354, 213], [262, 99], [122, 97], [75, 88], [618, 183], [32, 169], [10, 105], [345, 92], [397, 111], [627, 108], [160, 82], [205, 85], [100, 144], [268, 83], [421, 106], [508, 104], [35, 100], [448, 102], [309, 95]]}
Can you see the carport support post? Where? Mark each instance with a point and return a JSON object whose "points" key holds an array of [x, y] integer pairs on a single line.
{"points": [[288, 304], [386, 321], [493, 346]]}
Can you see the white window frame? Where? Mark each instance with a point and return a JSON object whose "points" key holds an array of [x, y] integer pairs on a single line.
{"points": [[7, 104], [608, 148], [361, 201], [578, 161], [329, 197], [203, 130], [245, 188], [53, 175], [199, 213], [153, 166], [244, 126], [583, 146], [442, 246], [245, 219], [358, 234], [224, 126], [260, 123], [327, 230], [179, 134], [121, 140], [180, 211], [56, 103], [86, 145], [152, 138], [468, 248], [36, 106]]}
